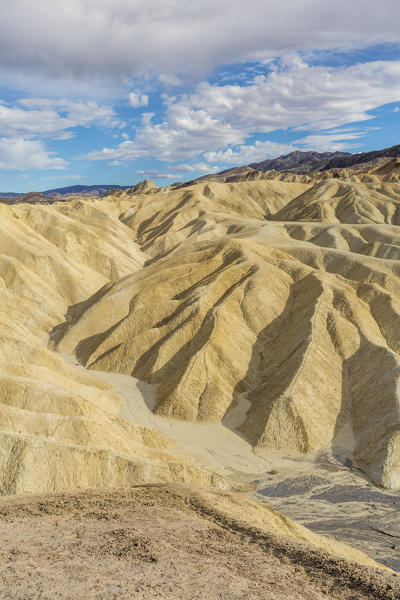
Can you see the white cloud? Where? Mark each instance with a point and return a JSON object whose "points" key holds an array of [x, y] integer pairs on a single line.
{"points": [[96, 38], [25, 125], [65, 177], [296, 94], [331, 141], [215, 118], [22, 154], [169, 79], [154, 174], [176, 171], [246, 154], [190, 168], [138, 100], [175, 139], [41, 117]]}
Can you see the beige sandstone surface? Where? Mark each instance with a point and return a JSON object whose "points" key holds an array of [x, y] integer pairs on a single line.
{"points": [[193, 334], [284, 310]]}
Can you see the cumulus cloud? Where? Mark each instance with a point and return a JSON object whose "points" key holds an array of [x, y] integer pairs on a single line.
{"points": [[190, 168], [296, 94], [98, 48], [177, 171], [138, 100], [88, 38], [216, 118], [169, 79], [68, 177], [249, 153], [174, 139], [41, 117], [154, 174], [27, 123], [22, 154], [331, 141]]}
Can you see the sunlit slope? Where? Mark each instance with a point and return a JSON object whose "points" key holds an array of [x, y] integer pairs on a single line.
{"points": [[271, 306], [346, 201], [59, 425], [294, 325]]}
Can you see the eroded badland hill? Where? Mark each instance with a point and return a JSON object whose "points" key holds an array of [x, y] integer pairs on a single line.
{"points": [[233, 334]]}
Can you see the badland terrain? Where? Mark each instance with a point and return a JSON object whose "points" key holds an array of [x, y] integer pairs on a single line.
{"points": [[239, 333]]}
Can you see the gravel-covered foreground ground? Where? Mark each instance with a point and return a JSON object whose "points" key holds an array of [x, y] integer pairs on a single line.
{"points": [[163, 542]]}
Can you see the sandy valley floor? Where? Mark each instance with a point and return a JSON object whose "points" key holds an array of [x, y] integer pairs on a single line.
{"points": [[323, 491]]}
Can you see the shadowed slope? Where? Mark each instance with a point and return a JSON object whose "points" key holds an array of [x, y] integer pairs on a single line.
{"points": [[283, 330], [233, 310]]}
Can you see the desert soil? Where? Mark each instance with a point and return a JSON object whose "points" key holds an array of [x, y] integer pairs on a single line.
{"points": [[162, 542]]}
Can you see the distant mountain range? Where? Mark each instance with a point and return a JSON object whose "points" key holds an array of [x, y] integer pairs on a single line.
{"points": [[303, 163], [307, 162], [310, 162], [9, 195], [296, 162], [82, 190], [88, 190]]}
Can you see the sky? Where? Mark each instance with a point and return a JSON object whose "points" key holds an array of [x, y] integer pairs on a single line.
{"points": [[115, 91]]}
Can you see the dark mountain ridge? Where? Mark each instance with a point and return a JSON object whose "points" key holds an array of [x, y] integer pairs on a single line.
{"points": [[341, 162], [9, 195], [83, 190], [308, 161]]}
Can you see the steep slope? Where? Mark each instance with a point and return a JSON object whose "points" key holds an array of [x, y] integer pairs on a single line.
{"points": [[269, 306], [59, 425], [290, 326], [346, 201]]}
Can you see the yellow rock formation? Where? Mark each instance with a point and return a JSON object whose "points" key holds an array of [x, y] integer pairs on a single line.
{"points": [[274, 299]]}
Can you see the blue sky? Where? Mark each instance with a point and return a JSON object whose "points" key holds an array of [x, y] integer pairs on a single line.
{"points": [[114, 92]]}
